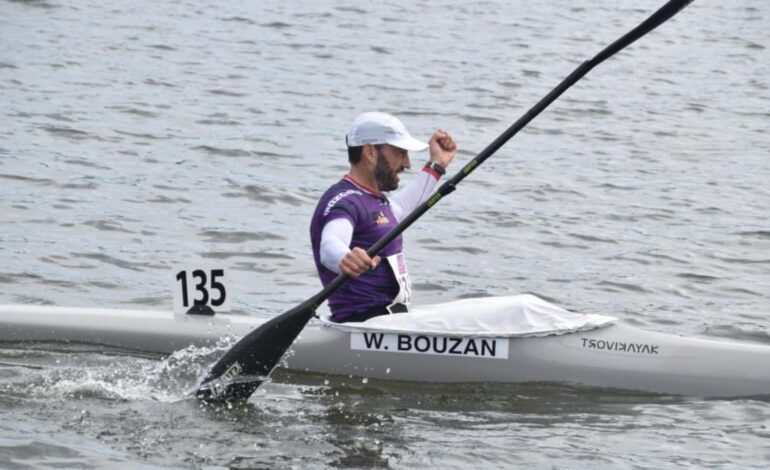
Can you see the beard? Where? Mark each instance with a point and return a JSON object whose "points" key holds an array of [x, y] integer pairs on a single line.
{"points": [[386, 178]]}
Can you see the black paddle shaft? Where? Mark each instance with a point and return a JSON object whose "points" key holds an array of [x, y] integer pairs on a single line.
{"points": [[245, 366]]}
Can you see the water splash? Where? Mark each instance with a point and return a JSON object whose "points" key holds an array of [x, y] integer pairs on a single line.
{"points": [[169, 380]]}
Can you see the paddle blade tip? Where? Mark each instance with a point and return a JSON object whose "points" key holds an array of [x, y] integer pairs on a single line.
{"points": [[230, 386]]}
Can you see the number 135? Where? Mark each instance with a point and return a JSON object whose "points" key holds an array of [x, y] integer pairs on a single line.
{"points": [[203, 285]]}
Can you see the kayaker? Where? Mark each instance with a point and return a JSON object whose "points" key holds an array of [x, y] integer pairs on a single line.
{"points": [[358, 210]]}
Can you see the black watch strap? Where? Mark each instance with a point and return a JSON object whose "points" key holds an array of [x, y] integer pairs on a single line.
{"points": [[436, 167]]}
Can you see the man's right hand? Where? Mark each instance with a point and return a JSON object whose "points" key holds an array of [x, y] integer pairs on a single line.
{"points": [[357, 262]]}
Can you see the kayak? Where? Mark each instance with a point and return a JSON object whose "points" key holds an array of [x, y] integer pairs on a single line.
{"points": [[498, 339]]}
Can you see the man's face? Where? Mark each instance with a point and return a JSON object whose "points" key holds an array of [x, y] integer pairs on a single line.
{"points": [[390, 162]]}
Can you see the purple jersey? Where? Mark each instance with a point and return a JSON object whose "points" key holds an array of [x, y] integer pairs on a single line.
{"points": [[371, 217]]}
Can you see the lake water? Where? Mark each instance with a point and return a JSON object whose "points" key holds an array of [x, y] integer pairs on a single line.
{"points": [[136, 136]]}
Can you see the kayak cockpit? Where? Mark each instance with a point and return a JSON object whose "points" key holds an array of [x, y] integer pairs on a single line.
{"points": [[510, 316]]}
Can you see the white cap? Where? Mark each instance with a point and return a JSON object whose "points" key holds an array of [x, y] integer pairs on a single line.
{"points": [[381, 128]]}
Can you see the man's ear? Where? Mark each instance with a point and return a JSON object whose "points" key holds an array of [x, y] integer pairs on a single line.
{"points": [[370, 154]]}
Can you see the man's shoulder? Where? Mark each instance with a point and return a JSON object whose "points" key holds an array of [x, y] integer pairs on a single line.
{"points": [[341, 192]]}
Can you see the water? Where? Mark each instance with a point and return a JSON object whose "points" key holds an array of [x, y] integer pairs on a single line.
{"points": [[138, 136]]}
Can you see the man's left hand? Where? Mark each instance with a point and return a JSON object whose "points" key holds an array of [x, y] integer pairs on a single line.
{"points": [[442, 148]]}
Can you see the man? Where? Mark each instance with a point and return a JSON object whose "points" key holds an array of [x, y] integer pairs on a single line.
{"points": [[355, 212]]}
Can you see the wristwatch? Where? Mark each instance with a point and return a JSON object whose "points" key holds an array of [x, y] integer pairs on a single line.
{"points": [[436, 167]]}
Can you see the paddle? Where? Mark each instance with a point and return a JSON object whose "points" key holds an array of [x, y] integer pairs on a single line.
{"points": [[250, 361]]}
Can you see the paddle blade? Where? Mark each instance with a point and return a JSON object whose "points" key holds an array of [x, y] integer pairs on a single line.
{"points": [[246, 365]]}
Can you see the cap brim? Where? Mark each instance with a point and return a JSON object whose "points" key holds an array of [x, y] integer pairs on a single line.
{"points": [[409, 143]]}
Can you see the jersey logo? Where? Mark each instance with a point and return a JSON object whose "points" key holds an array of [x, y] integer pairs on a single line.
{"points": [[380, 218], [333, 202]]}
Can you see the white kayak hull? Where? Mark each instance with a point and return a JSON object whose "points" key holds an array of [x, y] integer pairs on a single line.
{"points": [[617, 356]]}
